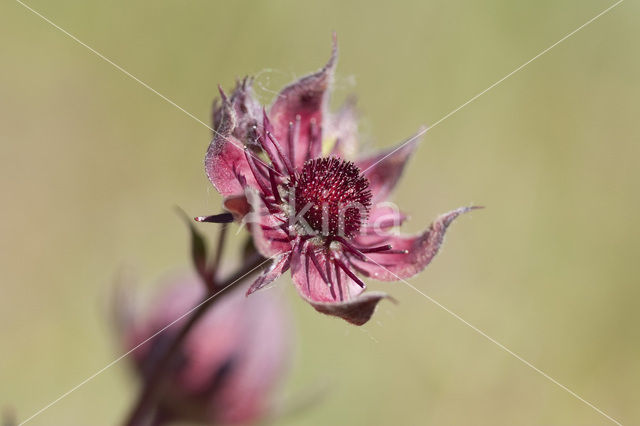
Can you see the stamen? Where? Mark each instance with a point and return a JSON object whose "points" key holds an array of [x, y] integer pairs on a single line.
{"points": [[306, 267], [266, 123], [259, 162], [262, 167], [384, 249], [316, 263], [339, 281], [284, 227], [283, 158], [327, 264], [274, 187], [272, 209], [290, 141], [349, 247], [378, 249], [271, 155], [243, 182], [262, 139], [267, 202], [273, 228], [304, 238], [257, 146], [254, 170], [351, 275], [361, 270]]}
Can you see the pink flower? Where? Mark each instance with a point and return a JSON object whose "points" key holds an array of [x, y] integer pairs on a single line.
{"points": [[228, 364], [323, 217]]}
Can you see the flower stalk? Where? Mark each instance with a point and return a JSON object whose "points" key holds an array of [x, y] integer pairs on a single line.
{"points": [[157, 381]]}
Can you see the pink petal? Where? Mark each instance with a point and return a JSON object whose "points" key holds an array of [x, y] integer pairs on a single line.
{"points": [[345, 300], [225, 162], [382, 218], [420, 250], [307, 99], [310, 283], [357, 311], [268, 236], [277, 268], [385, 168]]}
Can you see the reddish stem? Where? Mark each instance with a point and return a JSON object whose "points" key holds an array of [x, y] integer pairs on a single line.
{"points": [[157, 381]]}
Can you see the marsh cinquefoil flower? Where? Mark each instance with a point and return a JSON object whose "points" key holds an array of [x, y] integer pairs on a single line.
{"points": [[318, 214]]}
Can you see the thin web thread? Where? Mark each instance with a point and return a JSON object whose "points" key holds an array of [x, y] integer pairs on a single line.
{"points": [[121, 357], [209, 127], [500, 345], [422, 132], [136, 79]]}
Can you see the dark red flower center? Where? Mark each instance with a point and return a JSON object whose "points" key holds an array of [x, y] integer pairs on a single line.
{"points": [[332, 196]]}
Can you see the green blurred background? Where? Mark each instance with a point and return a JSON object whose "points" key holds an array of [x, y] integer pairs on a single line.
{"points": [[92, 164]]}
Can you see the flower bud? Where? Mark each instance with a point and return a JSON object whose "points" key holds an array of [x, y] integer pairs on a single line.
{"points": [[230, 361]]}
